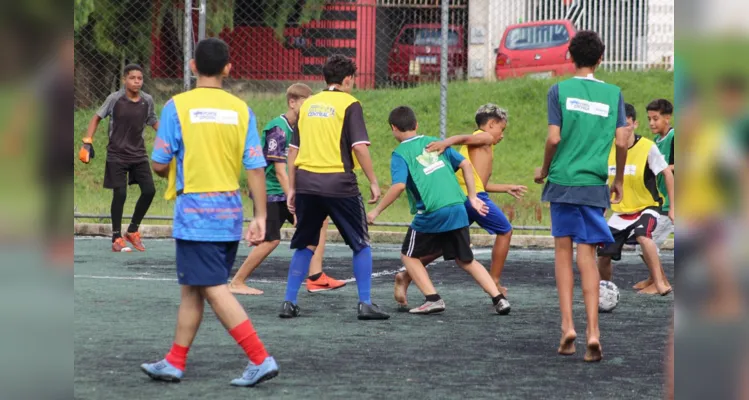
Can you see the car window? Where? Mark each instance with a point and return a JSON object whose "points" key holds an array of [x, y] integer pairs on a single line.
{"points": [[537, 37], [427, 37]]}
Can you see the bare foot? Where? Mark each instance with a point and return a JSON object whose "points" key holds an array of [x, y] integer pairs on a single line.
{"points": [[653, 289], [241, 288], [502, 289], [399, 290], [593, 353], [642, 284], [567, 344]]}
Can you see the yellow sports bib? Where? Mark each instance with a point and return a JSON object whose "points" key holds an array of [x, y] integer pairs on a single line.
{"points": [[214, 127], [320, 129], [637, 196]]}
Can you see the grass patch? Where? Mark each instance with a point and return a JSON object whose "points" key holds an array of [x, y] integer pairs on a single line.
{"points": [[515, 158]]}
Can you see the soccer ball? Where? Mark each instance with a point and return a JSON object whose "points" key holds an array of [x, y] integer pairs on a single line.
{"points": [[608, 297]]}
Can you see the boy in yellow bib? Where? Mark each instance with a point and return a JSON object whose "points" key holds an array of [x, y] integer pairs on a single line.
{"points": [[636, 216]]}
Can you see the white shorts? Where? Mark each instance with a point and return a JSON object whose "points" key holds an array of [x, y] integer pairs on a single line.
{"points": [[662, 231]]}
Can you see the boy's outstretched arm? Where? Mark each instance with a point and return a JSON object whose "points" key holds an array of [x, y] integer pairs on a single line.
{"points": [[668, 176], [390, 196], [476, 203], [365, 160], [516, 191], [92, 126], [622, 138], [254, 163], [256, 183], [290, 160], [481, 139], [552, 142]]}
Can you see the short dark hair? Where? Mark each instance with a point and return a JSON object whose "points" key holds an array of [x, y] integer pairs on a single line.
{"points": [[630, 111], [337, 68], [586, 49], [662, 106], [211, 56], [403, 118], [131, 67], [488, 112]]}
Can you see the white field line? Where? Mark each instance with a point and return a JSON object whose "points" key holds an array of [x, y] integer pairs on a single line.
{"points": [[389, 272]]}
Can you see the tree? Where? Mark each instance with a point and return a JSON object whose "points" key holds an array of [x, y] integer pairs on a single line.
{"points": [[81, 10]]}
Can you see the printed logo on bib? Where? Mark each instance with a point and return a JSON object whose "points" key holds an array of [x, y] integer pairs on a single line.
{"points": [[213, 116], [588, 107], [628, 170], [431, 161], [321, 111]]}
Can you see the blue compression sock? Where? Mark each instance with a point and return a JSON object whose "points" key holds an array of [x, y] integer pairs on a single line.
{"points": [[297, 272], [363, 273]]}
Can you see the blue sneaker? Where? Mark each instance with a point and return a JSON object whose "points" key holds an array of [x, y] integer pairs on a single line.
{"points": [[255, 374], [162, 371]]}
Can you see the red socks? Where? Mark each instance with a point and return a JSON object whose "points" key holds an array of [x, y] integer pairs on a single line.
{"points": [[177, 356], [246, 337], [243, 333]]}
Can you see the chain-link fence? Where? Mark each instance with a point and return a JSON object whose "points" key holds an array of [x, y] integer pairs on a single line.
{"points": [[394, 42]]}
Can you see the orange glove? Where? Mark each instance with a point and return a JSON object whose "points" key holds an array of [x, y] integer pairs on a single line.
{"points": [[86, 153]]}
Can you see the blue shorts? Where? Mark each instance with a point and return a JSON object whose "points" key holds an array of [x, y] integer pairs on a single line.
{"points": [[584, 224], [205, 263], [347, 214], [495, 222]]}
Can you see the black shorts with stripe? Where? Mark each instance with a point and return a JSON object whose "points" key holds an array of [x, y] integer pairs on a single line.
{"points": [[626, 228], [347, 214], [451, 245]]}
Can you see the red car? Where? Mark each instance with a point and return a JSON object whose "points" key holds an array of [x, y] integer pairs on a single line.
{"points": [[416, 53], [538, 49]]}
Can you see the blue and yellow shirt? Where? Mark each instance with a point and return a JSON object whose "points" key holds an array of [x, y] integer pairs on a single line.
{"points": [[207, 136]]}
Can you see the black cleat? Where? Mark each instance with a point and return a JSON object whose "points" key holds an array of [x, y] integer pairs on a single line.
{"points": [[503, 306], [371, 312], [289, 310]]}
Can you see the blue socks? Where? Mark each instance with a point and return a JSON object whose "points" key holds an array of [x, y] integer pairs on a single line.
{"points": [[300, 266], [362, 273], [298, 272]]}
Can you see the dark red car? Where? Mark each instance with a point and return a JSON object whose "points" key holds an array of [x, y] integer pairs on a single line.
{"points": [[416, 53], [538, 49]]}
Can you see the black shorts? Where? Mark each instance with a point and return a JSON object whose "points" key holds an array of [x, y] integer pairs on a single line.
{"points": [[451, 245], [347, 214], [278, 213], [626, 229], [120, 174]]}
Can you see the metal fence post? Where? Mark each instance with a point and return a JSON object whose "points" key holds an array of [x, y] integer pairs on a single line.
{"points": [[443, 67], [187, 45], [201, 20]]}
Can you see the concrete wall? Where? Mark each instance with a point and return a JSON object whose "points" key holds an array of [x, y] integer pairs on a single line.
{"points": [[487, 20]]}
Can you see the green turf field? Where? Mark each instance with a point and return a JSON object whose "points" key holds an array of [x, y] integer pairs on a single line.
{"points": [[515, 158], [125, 309]]}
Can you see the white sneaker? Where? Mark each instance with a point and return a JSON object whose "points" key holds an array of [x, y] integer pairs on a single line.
{"points": [[429, 307]]}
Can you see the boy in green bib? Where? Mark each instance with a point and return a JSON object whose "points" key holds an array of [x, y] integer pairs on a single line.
{"points": [[440, 224], [584, 116]]}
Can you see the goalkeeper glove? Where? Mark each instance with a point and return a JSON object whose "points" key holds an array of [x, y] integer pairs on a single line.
{"points": [[87, 151]]}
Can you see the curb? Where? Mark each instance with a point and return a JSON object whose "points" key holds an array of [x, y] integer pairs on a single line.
{"points": [[480, 240]]}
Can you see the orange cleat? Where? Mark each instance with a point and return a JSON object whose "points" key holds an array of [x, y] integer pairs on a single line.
{"points": [[134, 239], [324, 283], [119, 246]]}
